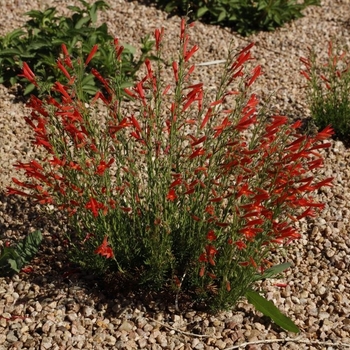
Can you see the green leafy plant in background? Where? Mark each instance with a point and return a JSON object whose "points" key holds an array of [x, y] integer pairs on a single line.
{"points": [[244, 16], [183, 188], [329, 90], [13, 259], [39, 44]]}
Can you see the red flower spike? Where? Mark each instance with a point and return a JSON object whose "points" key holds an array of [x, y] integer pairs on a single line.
{"points": [[190, 71], [171, 196], [149, 69], [206, 118], [176, 71], [103, 166], [102, 80], [182, 28], [63, 69], [325, 182], [240, 245], [158, 35], [60, 88], [93, 205], [211, 236], [166, 89], [195, 218], [28, 74], [104, 249], [91, 54], [190, 53], [326, 133], [211, 275], [255, 74], [67, 59], [305, 74], [130, 93], [306, 61], [244, 190], [210, 210], [242, 58], [197, 153]]}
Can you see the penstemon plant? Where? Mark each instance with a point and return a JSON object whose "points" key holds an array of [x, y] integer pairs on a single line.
{"points": [[328, 90], [171, 188]]}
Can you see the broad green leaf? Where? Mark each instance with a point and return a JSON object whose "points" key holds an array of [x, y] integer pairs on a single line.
{"points": [[81, 22], [74, 8], [269, 309], [272, 271], [29, 89], [129, 48], [201, 11], [222, 16], [10, 52]]}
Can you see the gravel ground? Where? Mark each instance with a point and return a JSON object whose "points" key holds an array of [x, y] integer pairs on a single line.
{"points": [[56, 306]]}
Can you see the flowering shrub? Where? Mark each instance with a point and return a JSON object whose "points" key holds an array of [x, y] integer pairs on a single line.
{"points": [[183, 191], [328, 90]]}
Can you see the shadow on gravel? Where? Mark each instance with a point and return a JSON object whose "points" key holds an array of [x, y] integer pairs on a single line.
{"points": [[52, 277]]}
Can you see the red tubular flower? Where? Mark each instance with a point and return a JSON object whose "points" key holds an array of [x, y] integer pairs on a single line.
{"points": [[182, 28], [158, 35], [91, 54], [198, 152], [256, 73], [326, 133], [101, 168], [94, 206], [211, 236], [190, 53], [175, 69], [104, 249], [28, 74], [67, 59], [206, 118], [171, 196], [63, 69]]}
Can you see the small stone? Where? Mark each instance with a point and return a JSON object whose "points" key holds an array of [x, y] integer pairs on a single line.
{"points": [[2, 338], [72, 316], [10, 337], [148, 327], [238, 319], [126, 326], [110, 340], [86, 311], [323, 315], [17, 345], [38, 307], [46, 327], [142, 343], [220, 344], [162, 341], [46, 343]]}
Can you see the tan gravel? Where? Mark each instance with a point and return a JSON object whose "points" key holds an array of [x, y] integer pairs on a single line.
{"points": [[59, 307]]}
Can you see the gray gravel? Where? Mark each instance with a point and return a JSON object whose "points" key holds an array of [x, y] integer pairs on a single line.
{"points": [[56, 306]]}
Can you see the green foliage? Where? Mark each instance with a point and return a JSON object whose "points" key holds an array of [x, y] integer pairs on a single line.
{"points": [[270, 310], [245, 16], [329, 91], [12, 259], [39, 44]]}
